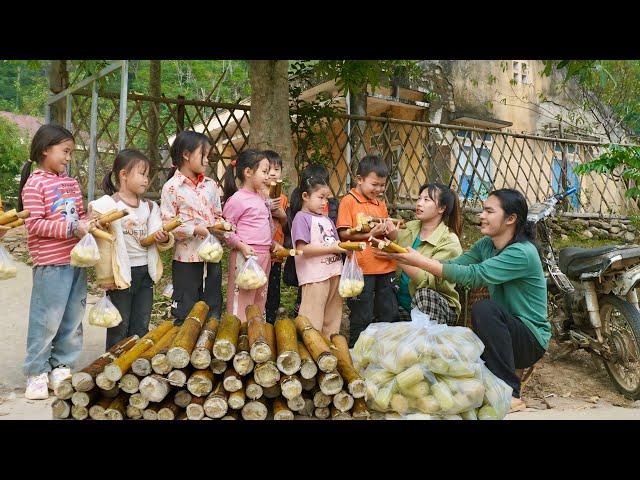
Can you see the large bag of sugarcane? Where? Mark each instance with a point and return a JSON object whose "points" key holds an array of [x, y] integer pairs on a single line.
{"points": [[497, 397], [85, 253], [351, 279], [104, 314], [8, 267]]}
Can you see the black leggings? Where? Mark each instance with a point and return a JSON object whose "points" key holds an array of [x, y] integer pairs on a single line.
{"points": [[508, 343]]}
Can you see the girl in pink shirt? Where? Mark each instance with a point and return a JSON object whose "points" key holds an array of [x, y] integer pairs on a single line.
{"points": [[248, 210]]}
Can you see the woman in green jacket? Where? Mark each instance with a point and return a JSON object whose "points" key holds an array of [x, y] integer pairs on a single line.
{"points": [[513, 324], [434, 234]]}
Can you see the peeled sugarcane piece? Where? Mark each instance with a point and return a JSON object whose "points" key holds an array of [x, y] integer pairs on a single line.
{"points": [[321, 399], [200, 383], [142, 365], [307, 409], [179, 354], [129, 383], [115, 370], [272, 392], [112, 393], [96, 411], [104, 383], [84, 380], [201, 355], [296, 404], [281, 410], [255, 410], [330, 383], [154, 388], [308, 384], [151, 412], [242, 361], [138, 401], [231, 415], [237, 399], [343, 401], [83, 399], [360, 411], [178, 377], [232, 381], [260, 350], [195, 408], [64, 390], [226, 342], [410, 377], [339, 415], [216, 406], [167, 227], [134, 413], [182, 398], [353, 246], [60, 409], [218, 366], [387, 245], [322, 413], [316, 345], [285, 252], [308, 367], [79, 413], [168, 410], [117, 408], [340, 349], [288, 360], [252, 390], [275, 189], [290, 386]]}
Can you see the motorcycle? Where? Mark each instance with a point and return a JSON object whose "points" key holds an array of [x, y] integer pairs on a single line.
{"points": [[595, 291]]}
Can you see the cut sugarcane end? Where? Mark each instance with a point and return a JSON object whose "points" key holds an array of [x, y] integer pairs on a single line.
{"points": [[327, 362], [224, 350], [178, 357], [308, 370], [260, 352], [358, 388], [289, 362]]}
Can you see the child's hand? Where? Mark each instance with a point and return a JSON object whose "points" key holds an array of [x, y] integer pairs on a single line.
{"points": [[83, 228], [161, 236], [379, 230], [276, 246], [200, 231], [391, 228], [275, 204], [246, 250], [219, 234], [338, 249]]}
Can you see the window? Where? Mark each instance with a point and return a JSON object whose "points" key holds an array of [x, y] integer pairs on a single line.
{"points": [[520, 72], [572, 178], [475, 182]]}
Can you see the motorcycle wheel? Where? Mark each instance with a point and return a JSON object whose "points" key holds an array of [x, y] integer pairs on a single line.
{"points": [[621, 330]]}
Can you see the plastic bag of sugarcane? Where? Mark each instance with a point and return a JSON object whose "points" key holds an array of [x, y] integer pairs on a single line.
{"points": [[104, 314], [86, 252], [8, 267], [251, 276], [210, 250], [351, 279]]}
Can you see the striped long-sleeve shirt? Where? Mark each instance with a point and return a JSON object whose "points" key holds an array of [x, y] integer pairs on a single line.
{"points": [[54, 201]]}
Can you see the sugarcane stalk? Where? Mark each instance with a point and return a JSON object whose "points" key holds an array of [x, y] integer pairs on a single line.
{"points": [[272, 392], [260, 350], [168, 410], [79, 412], [216, 406], [15, 224], [343, 401], [200, 383], [139, 401], [281, 410], [154, 388], [8, 216], [201, 355], [308, 384], [282, 252], [83, 399], [182, 398], [252, 390], [60, 408], [242, 361], [142, 366], [226, 342], [308, 408], [360, 411], [322, 413], [316, 345], [308, 367], [237, 399], [151, 412], [111, 393], [222, 226], [266, 374], [231, 415], [255, 410], [340, 349], [96, 411], [353, 246], [290, 386], [133, 413], [295, 404], [104, 383], [178, 377], [288, 360], [116, 369], [179, 354], [129, 383], [195, 408], [167, 227], [321, 399], [275, 189], [218, 366], [84, 380], [330, 383], [232, 381], [160, 364], [64, 390], [117, 408], [387, 245], [339, 415]]}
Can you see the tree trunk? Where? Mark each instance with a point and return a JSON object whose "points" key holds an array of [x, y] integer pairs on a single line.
{"points": [[58, 81], [270, 123], [155, 74], [357, 106]]}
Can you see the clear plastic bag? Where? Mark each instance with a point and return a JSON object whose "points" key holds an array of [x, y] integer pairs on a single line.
{"points": [[85, 253], [351, 279], [8, 267], [497, 397], [251, 276], [210, 250], [104, 314]]}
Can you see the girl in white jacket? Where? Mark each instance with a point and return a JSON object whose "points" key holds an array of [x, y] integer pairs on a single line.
{"points": [[128, 270]]}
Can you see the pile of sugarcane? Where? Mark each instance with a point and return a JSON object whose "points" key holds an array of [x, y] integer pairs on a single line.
{"points": [[210, 369]]}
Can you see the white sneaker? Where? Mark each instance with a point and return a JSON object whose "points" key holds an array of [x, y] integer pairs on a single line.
{"points": [[59, 375], [37, 387]]}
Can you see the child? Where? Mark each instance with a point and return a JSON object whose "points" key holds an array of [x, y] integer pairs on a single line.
{"points": [[247, 209], [377, 302], [320, 266], [128, 270], [195, 198], [59, 294], [278, 212]]}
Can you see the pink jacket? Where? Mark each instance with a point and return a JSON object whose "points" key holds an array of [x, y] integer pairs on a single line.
{"points": [[248, 211]]}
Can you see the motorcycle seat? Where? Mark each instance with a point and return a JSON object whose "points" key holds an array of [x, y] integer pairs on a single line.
{"points": [[575, 261]]}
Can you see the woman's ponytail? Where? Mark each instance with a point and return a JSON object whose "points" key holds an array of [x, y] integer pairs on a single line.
{"points": [[24, 176]]}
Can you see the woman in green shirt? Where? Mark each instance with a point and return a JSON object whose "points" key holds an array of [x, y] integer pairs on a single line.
{"points": [[434, 234], [513, 325]]}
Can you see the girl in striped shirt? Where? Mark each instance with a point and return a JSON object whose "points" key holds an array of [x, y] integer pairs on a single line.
{"points": [[59, 295]]}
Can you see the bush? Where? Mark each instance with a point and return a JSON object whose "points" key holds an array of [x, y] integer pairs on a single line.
{"points": [[14, 151]]}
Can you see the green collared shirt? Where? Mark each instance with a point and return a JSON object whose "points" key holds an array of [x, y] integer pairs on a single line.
{"points": [[441, 245]]}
